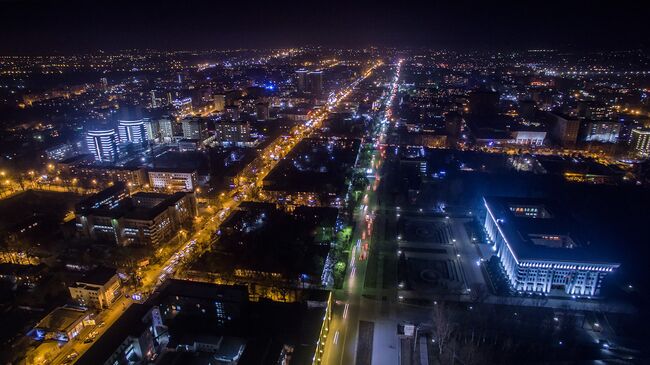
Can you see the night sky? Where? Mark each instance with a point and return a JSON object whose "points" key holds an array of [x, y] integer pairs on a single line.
{"points": [[69, 26]]}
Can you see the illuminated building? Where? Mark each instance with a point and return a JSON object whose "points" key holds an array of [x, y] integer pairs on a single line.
{"points": [[152, 129], [103, 83], [538, 252], [132, 176], [144, 218], [301, 80], [232, 133], [98, 289], [173, 179], [62, 324], [131, 131], [166, 128], [231, 112], [194, 128], [528, 137], [601, 131], [60, 152], [154, 102], [640, 141], [102, 144], [316, 83], [184, 106]]}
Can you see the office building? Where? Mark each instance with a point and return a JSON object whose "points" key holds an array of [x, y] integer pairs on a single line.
{"points": [[98, 289], [153, 101], [103, 83], [59, 152], [316, 83], [173, 179], [565, 129], [142, 219], [194, 128], [232, 133], [301, 80], [102, 144], [640, 142], [102, 175], [166, 128], [151, 129], [535, 244], [132, 131], [600, 131]]}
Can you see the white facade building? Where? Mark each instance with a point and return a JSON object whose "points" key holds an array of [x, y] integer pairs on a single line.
{"points": [[102, 144], [537, 252], [173, 180], [131, 131]]}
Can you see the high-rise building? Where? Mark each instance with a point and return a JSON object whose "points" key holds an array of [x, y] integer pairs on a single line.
{"points": [[301, 80], [166, 128], [262, 111], [152, 129], [103, 83], [154, 102], [565, 129], [316, 83], [102, 143], [232, 133], [193, 128], [131, 131], [640, 141]]}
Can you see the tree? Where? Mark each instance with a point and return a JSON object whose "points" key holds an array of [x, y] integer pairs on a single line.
{"points": [[442, 326]]}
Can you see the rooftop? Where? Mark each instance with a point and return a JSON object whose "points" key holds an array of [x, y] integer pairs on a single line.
{"points": [[98, 276], [540, 229], [61, 319]]}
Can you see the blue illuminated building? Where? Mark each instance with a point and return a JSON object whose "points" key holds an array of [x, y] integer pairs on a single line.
{"points": [[535, 243]]}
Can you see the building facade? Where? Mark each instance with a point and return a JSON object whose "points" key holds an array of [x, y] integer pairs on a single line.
{"points": [[142, 219], [173, 179], [132, 131], [98, 289], [640, 142], [232, 133], [102, 144], [537, 252]]}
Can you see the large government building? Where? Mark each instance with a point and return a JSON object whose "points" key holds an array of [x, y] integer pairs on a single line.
{"points": [[539, 253]]}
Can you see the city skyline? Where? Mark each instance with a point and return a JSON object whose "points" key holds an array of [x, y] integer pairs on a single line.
{"points": [[366, 183]]}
